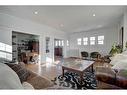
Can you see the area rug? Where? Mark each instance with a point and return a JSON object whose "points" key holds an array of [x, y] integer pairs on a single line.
{"points": [[72, 81]]}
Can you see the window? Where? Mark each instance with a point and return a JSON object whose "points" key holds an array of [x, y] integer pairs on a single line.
{"points": [[79, 41], [92, 40], [5, 51], [56, 43], [59, 43], [8, 48], [62, 43], [101, 40], [2, 46], [85, 41], [67, 43]]}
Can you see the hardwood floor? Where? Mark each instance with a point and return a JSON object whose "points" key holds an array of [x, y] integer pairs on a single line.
{"points": [[51, 71], [46, 70]]}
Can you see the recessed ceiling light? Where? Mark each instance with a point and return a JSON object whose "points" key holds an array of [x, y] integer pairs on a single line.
{"points": [[94, 15], [99, 26], [61, 25], [36, 12]]}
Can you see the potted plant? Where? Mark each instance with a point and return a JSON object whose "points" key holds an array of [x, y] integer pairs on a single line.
{"points": [[115, 49]]}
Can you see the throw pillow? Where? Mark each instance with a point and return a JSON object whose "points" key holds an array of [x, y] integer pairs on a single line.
{"points": [[21, 71]]}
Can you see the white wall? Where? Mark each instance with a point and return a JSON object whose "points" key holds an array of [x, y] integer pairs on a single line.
{"points": [[5, 36], [110, 36], [10, 23]]}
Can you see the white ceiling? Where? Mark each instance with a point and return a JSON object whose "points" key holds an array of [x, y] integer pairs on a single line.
{"points": [[68, 18]]}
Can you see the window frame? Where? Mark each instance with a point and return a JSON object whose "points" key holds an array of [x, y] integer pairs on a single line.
{"points": [[79, 41], [85, 40], [101, 40], [92, 40], [5, 51], [67, 42]]}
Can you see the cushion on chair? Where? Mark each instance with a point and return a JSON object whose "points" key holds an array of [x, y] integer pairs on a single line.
{"points": [[84, 54], [95, 54]]}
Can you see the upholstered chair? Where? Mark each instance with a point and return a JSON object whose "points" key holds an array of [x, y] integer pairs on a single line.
{"points": [[95, 56], [84, 55]]}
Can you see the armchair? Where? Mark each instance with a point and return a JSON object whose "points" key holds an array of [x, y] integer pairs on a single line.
{"points": [[95, 56], [84, 54]]}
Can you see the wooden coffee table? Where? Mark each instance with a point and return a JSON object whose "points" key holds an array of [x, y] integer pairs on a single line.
{"points": [[78, 67]]}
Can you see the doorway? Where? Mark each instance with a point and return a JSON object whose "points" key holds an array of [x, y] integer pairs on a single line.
{"points": [[58, 49], [25, 47]]}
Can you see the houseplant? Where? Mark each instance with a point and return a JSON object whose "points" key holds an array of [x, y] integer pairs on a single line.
{"points": [[115, 49]]}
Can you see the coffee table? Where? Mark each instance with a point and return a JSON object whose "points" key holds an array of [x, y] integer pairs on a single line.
{"points": [[78, 67]]}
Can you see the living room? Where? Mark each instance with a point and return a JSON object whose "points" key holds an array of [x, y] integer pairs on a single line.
{"points": [[83, 29]]}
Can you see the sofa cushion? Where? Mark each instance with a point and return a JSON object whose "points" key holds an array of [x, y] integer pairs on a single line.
{"points": [[8, 78], [120, 65], [21, 71], [117, 58]]}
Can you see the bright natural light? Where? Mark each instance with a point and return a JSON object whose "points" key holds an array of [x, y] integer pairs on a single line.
{"points": [[2, 54], [56, 43], [5, 51], [101, 40], [92, 40], [8, 48], [85, 41], [8, 56], [62, 43], [59, 43], [79, 41], [67, 43], [2, 46]]}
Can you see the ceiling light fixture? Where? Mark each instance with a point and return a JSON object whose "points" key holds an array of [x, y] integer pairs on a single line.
{"points": [[94, 15], [99, 26], [36, 12], [61, 25]]}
